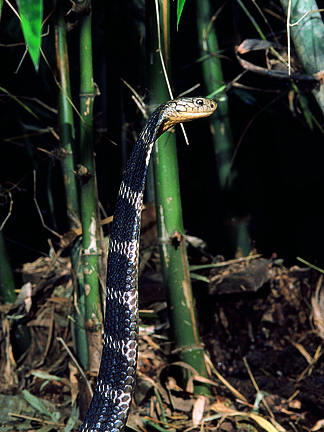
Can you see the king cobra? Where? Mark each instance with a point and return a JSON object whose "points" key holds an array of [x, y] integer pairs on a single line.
{"points": [[111, 401]]}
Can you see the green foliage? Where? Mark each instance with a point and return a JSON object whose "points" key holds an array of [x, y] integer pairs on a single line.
{"points": [[180, 6], [39, 406], [31, 14]]}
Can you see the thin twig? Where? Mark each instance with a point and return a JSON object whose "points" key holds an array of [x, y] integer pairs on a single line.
{"points": [[21, 60], [255, 385], [288, 31], [136, 98], [9, 212], [140, 106], [13, 9], [76, 364], [60, 87], [189, 90], [47, 422], [300, 19], [235, 392], [40, 213]]}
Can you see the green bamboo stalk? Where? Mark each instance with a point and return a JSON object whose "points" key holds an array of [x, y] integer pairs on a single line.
{"points": [[220, 122], [7, 284], [66, 122], [78, 328], [89, 213], [213, 80], [67, 142], [169, 214]]}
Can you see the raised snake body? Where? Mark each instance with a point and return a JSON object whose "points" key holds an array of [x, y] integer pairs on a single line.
{"points": [[116, 380]]}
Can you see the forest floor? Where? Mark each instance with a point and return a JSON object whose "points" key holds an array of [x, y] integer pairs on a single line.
{"points": [[262, 326]]}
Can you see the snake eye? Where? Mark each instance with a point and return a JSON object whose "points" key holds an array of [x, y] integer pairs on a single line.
{"points": [[199, 102]]}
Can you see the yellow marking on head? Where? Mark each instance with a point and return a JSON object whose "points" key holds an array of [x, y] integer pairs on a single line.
{"points": [[185, 110]]}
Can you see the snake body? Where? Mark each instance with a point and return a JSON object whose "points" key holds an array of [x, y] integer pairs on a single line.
{"points": [[116, 380]]}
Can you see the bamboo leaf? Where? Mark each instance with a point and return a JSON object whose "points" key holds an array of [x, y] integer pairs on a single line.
{"points": [[200, 278], [31, 13], [19, 102], [46, 376], [39, 405], [180, 6]]}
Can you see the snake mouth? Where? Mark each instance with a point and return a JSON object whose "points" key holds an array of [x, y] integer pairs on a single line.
{"points": [[192, 115]]}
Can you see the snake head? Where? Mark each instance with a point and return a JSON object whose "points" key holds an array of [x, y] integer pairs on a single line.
{"points": [[184, 110]]}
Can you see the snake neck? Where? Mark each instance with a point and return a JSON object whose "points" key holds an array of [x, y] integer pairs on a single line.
{"points": [[136, 170]]}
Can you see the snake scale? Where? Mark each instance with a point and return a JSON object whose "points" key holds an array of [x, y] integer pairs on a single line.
{"points": [[116, 380]]}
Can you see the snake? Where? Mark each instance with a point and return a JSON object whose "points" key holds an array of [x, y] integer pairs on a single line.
{"points": [[114, 389]]}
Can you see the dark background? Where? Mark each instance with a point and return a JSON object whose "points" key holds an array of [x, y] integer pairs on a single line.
{"points": [[278, 191]]}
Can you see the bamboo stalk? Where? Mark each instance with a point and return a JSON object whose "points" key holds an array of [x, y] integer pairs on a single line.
{"points": [[169, 214], [88, 185], [238, 235], [7, 285], [66, 122], [67, 142]]}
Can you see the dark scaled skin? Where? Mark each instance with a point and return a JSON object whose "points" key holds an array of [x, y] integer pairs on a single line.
{"points": [[110, 405]]}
